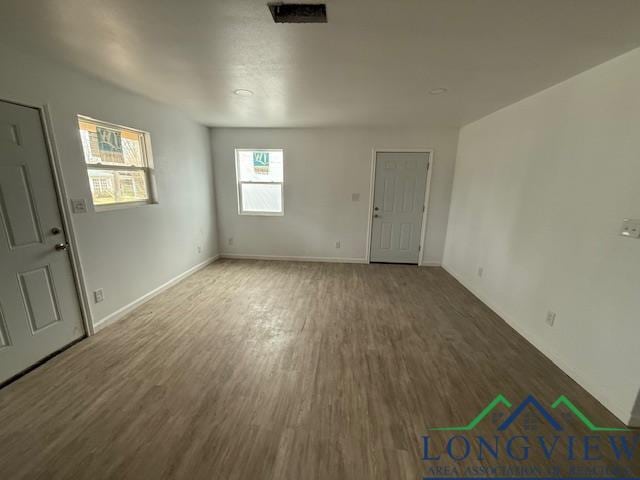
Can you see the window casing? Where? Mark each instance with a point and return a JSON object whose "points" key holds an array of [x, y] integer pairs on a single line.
{"points": [[119, 163], [260, 181]]}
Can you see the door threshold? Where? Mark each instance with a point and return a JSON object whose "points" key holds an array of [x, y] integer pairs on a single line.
{"points": [[39, 363], [396, 263]]}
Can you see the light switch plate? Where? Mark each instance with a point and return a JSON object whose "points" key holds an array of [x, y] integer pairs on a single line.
{"points": [[98, 295], [79, 205], [630, 228]]}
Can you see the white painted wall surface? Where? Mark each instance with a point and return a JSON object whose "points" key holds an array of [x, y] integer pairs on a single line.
{"points": [[322, 168], [127, 252], [541, 189]]}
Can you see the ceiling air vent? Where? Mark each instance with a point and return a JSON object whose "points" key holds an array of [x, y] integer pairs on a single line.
{"points": [[298, 12]]}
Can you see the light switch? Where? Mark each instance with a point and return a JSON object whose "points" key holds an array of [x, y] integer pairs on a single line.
{"points": [[79, 205], [630, 228]]}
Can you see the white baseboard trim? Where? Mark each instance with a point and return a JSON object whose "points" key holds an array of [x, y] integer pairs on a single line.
{"points": [[122, 312], [293, 258], [431, 264], [579, 377]]}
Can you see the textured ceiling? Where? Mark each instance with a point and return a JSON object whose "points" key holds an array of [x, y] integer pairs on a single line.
{"points": [[372, 64]]}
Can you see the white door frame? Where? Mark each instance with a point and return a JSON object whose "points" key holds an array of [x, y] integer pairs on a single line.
{"points": [[57, 178], [426, 195]]}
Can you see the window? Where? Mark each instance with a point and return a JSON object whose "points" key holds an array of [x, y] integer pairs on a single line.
{"points": [[118, 163], [260, 178]]}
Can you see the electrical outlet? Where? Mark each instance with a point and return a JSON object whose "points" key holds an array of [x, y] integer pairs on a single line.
{"points": [[551, 318], [98, 295], [230, 241], [480, 271], [338, 244], [630, 228], [199, 248]]}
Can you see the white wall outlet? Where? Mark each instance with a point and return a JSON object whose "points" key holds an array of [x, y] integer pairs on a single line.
{"points": [[79, 205], [338, 244], [230, 241], [355, 197], [98, 295], [551, 318], [480, 271], [630, 228]]}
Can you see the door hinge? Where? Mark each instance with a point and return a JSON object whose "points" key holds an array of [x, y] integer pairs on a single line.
{"points": [[419, 247], [423, 208]]}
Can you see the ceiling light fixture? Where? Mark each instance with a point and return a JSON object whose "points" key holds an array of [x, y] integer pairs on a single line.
{"points": [[242, 92], [438, 91]]}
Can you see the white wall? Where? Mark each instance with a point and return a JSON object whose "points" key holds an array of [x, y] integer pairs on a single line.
{"points": [[323, 167], [541, 189], [127, 252]]}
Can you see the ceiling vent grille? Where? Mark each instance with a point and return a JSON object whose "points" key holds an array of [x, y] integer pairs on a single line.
{"points": [[298, 12]]}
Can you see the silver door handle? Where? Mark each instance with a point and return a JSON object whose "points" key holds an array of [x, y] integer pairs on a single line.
{"points": [[61, 246]]}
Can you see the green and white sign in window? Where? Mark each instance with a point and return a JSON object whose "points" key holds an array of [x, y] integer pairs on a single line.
{"points": [[261, 163]]}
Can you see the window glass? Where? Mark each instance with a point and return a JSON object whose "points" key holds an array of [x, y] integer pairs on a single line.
{"points": [[118, 163], [260, 166], [258, 197]]}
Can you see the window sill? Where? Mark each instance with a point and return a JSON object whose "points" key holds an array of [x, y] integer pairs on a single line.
{"points": [[261, 214], [121, 206]]}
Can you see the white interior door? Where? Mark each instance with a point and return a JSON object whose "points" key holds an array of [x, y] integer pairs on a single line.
{"points": [[39, 310], [398, 206]]}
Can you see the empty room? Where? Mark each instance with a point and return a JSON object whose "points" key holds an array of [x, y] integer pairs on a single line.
{"points": [[349, 240]]}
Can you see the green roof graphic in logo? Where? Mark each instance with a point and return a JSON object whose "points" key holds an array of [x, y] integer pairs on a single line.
{"points": [[531, 401], [487, 410], [562, 400]]}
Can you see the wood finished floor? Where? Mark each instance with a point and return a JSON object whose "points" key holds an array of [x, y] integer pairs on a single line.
{"points": [[276, 370]]}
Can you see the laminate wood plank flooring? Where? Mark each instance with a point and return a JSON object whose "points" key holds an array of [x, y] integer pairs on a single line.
{"points": [[279, 370]]}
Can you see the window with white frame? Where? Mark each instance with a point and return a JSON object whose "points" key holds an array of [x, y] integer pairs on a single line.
{"points": [[118, 162], [260, 178]]}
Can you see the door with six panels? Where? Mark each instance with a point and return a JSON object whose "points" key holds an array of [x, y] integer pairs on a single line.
{"points": [[39, 309], [398, 206]]}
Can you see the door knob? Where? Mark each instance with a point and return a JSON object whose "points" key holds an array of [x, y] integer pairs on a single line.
{"points": [[61, 246]]}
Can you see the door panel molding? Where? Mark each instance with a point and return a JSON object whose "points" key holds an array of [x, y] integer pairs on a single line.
{"points": [[5, 340], [18, 186], [39, 279], [372, 180]]}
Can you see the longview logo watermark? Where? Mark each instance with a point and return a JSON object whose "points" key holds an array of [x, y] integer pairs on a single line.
{"points": [[580, 452]]}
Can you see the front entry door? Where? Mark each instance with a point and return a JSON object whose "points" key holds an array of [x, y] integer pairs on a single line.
{"points": [[39, 309], [398, 206]]}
